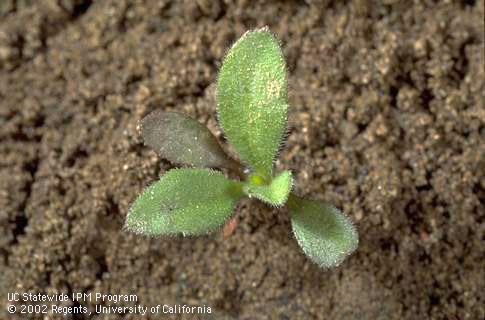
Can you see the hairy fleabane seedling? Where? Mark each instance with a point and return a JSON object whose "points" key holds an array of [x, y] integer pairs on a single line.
{"points": [[252, 107]]}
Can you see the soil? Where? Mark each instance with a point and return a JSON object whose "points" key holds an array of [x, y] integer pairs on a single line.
{"points": [[386, 121]]}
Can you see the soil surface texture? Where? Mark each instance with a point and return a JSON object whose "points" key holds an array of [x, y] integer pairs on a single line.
{"points": [[386, 122]]}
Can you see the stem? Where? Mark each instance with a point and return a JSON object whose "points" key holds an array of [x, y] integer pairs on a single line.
{"points": [[293, 201], [236, 167]]}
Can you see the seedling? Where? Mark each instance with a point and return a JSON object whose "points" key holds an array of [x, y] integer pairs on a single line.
{"points": [[252, 108]]}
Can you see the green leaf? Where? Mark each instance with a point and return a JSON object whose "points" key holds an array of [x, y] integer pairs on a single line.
{"points": [[275, 193], [252, 99], [325, 234], [182, 140], [187, 201]]}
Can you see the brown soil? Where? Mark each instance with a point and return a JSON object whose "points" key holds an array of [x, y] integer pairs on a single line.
{"points": [[386, 122]]}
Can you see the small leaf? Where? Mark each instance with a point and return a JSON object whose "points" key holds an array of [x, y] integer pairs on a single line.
{"points": [[182, 140], [252, 99], [275, 193], [187, 201], [325, 234]]}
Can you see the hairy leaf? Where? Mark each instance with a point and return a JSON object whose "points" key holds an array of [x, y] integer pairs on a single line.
{"points": [[252, 99], [325, 234], [183, 140], [188, 201], [275, 193]]}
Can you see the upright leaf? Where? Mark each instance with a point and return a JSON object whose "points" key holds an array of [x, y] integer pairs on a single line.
{"points": [[322, 231], [252, 99], [187, 201], [275, 193], [182, 140]]}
